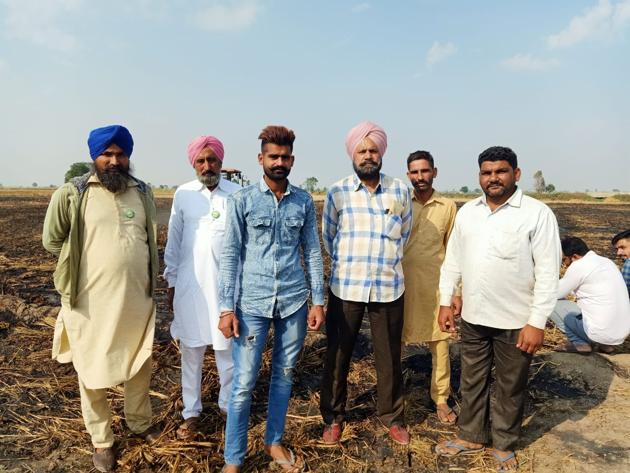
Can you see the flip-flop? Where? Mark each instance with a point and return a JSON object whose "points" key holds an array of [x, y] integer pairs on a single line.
{"points": [[280, 463], [461, 449], [501, 468]]}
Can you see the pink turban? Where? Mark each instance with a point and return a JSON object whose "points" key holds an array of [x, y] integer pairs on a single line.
{"points": [[366, 130], [199, 144]]}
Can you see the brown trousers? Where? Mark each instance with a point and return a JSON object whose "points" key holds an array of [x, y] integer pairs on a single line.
{"points": [[481, 347], [343, 322]]}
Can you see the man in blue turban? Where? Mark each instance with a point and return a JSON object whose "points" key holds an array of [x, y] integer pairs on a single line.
{"points": [[102, 226]]}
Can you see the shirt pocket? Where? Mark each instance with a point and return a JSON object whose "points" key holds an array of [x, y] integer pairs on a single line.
{"points": [[291, 229], [259, 228], [504, 246], [392, 227]]}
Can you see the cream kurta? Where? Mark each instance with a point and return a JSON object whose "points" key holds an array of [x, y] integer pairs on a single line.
{"points": [[108, 335], [424, 253]]}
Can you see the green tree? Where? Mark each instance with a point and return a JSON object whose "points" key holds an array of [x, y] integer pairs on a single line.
{"points": [[76, 169], [310, 185], [549, 188], [34, 184], [464, 189]]}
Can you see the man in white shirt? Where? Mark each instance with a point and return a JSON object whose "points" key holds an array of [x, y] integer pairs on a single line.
{"points": [[601, 313], [505, 251], [193, 249]]}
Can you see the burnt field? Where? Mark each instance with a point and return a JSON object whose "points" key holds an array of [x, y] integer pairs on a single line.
{"points": [[576, 412]]}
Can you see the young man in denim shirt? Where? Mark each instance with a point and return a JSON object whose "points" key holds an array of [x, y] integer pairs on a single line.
{"points": [[268, 224]]}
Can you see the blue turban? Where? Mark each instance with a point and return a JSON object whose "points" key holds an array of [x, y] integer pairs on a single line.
{"points": [[100, 139]]}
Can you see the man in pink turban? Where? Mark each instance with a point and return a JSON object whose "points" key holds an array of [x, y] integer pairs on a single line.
{"points": [[366, 222], [192, 254], [366, 130]]}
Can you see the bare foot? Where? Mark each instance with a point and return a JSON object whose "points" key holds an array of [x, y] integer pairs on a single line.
{"points": [[445, 414], [505, 460], [457, 446]]}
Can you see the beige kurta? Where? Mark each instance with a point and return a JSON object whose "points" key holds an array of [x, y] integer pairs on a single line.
{"points": [[424, 253], [108, 334]]}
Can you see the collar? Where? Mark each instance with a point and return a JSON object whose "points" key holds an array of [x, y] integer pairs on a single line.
{"points": [[357, 184], [514, 200], [265, 188], [435, 197]]}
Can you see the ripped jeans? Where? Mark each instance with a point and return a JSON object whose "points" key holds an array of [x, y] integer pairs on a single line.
{"points": [[247, 350]]}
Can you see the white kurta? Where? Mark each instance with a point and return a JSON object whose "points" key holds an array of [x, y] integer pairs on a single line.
{"points": [[193, 249]]}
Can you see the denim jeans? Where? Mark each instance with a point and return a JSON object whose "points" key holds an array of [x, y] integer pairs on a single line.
{"points": [[247, 350], [568, 318]]}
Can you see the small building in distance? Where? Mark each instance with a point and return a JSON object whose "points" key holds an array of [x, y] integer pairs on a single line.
{"points": [[234, 175]]}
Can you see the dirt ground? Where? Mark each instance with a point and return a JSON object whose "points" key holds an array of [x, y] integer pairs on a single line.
{"points": [[576, 416]]}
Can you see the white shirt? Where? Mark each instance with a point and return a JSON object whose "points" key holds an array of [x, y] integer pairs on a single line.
{"points": [[602, 297], [508, 262], [192, 253]]}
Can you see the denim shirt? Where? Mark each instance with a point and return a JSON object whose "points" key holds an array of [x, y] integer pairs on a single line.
{"points": [[265, 236]]}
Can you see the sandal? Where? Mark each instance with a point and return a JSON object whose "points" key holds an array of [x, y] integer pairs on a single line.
{"points": [[444, 415], [460, 448], [188, 429], [501, 466], [294, 464]]}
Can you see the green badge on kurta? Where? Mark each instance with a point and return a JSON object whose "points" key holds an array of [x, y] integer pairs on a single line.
{"points": [[215, 214], [129, 213]]}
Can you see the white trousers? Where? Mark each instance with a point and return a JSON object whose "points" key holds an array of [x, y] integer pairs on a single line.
{"points": [[192, 363]]}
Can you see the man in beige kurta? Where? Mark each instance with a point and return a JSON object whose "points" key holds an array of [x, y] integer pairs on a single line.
{"points": [[102, 226], [433, 219]]}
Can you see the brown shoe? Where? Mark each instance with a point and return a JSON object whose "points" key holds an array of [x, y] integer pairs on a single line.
{"points": [[399, 434], [104, 459], [151, 435], [332, 434], [188, 429]]}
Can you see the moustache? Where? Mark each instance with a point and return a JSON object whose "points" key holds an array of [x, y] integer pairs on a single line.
{"points": [[279, 168]]}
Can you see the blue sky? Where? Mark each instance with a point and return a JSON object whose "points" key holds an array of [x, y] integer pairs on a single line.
{"points": [[549, 79]]}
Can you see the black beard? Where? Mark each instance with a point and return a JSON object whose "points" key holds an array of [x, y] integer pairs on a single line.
{"points": [[209, 179], [114, 179], [371, 173]]}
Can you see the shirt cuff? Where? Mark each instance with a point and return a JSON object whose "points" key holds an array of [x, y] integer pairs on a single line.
{"points": [[445, 299], [317, 296], [538, 321]]}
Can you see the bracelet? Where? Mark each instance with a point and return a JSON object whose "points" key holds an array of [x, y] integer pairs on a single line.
{"points": [[226, 314]]}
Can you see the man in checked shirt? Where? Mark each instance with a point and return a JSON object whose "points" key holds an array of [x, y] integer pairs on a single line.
{"points": [[366, 222]]}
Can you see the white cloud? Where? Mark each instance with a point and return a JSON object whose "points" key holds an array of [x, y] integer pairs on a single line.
{"points": [[439, 52], [602, 20], [527, 62], [36, 21], [228, 16], [361, 7]]}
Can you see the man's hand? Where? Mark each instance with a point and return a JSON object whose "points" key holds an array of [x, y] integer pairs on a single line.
{"points": [[228, 324], [446, 319], [316, 317], [170, 294], [456, 305], [530, 339]]}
